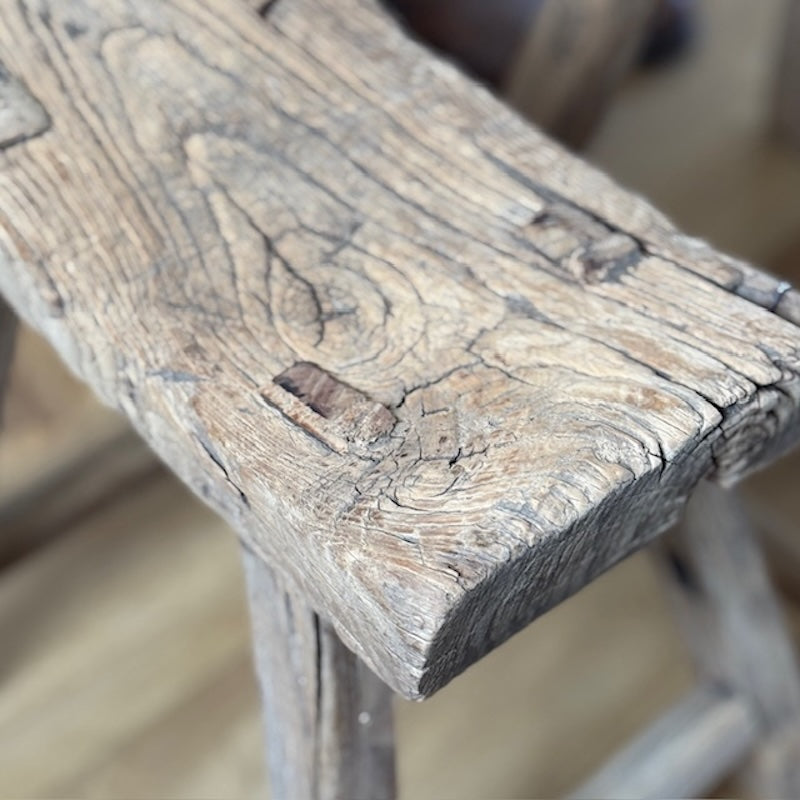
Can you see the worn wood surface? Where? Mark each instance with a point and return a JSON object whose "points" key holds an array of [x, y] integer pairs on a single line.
{"points": [[575, 55], [151, 694], [684, 753], [786, 108], [735, 630], [328, 718], [230, 197]]}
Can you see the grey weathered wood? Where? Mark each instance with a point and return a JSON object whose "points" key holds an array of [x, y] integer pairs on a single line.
{"points": [[328, 718], [511, 371], [8, 329], [735, 630], [786, 104], [574, 57], [684, 753]]}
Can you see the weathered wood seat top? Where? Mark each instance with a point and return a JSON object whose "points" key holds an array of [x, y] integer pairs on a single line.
{"points": [[437, 371]]}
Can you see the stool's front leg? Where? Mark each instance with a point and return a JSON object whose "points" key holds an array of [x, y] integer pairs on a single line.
{"points": [[328, 718]]}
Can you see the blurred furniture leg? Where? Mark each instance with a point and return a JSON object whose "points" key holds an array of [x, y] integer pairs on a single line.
{"points": [[8, 330], [735, 630], [745, 714], [575, 55], [786, 109], [328, 718]]}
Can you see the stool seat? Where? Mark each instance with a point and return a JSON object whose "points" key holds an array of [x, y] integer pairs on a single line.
{"points": [[434, 369]]}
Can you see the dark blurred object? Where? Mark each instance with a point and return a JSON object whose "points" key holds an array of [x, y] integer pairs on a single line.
{"points": [[786, 108], [672, 32], [557, 61], [573, 59], [483, 36]]}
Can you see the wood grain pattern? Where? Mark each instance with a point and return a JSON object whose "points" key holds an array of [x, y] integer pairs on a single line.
{"points": [[575, 55], [735, 631], [328, 718], [227, 197]]}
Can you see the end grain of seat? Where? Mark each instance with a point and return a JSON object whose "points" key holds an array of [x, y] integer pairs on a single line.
{"points": [[435, 370]]}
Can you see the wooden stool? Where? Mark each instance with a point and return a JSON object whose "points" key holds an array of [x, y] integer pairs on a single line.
{"points": [[436, 373]]}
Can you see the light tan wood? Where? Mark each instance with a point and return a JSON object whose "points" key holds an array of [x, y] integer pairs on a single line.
{"points": [[684, 753], [786, 109], [576, 54], [328, 719], [562, 366], [735, 631]]}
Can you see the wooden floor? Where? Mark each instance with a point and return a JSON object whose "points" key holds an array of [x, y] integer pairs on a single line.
{"points": [[125, 664]]}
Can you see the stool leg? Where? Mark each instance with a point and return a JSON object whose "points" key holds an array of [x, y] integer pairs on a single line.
{"points": [[786, 102], [735, 631], [328, 718], [8, 329]]}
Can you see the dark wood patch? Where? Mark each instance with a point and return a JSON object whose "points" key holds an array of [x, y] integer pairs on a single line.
{"points": [[328, 408]]}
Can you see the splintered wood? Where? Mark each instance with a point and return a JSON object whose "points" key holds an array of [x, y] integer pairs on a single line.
{"points": [[436, 371]]}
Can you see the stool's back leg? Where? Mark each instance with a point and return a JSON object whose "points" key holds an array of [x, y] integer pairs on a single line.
{"points": [[8, 328], [573, 58], [328, 718], [786, 107], [735, 630]]}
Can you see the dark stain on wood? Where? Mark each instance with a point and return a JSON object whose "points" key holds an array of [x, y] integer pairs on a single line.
{"points": [[342, 416]]}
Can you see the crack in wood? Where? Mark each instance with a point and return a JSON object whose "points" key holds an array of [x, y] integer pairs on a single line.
{"points": [[22, 116]]}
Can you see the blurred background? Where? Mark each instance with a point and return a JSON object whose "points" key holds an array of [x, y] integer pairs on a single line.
{"points": [[125, 667]]}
